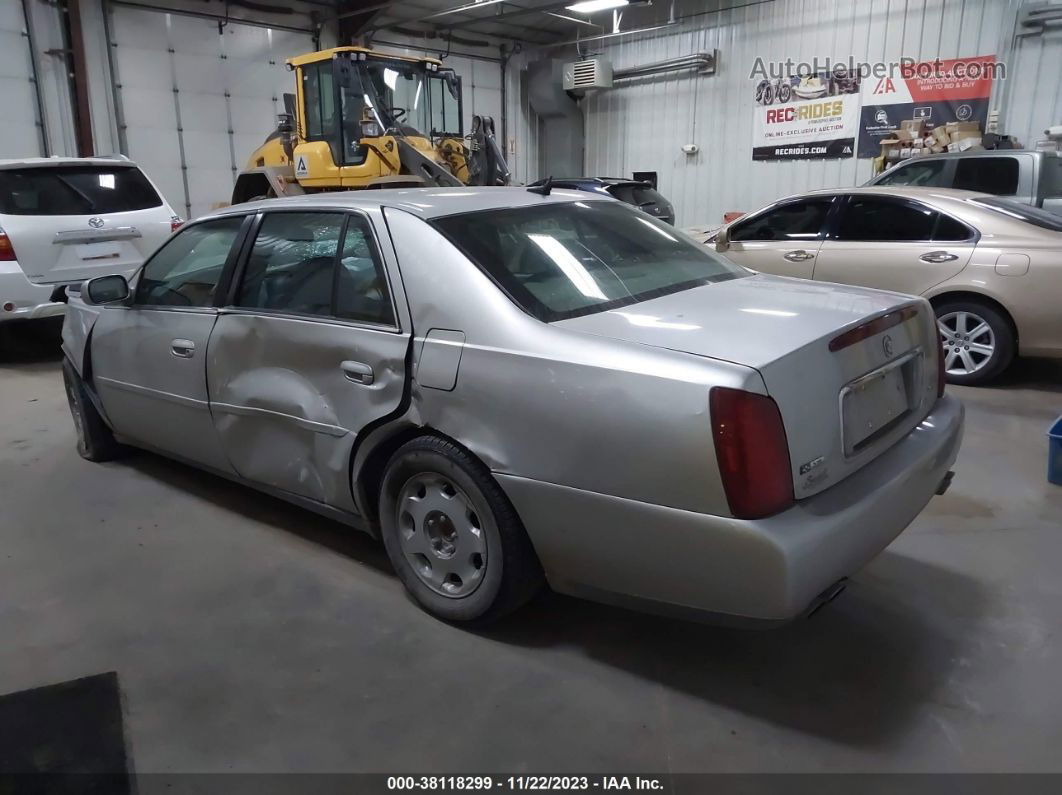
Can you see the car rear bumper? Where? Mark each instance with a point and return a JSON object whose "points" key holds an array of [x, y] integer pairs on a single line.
{"points": [[770, 570], [20, 299]]}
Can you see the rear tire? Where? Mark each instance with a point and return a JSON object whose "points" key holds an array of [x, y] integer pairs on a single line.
{"points": [[978, 341], [95, 441], [452, 535]]}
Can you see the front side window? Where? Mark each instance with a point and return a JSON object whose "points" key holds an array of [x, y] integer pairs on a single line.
{"points": [[445, 104], [927, 174], [568, 259], [187, 269], [794, 221], [75, 190], [290, 268], [996, 175]]}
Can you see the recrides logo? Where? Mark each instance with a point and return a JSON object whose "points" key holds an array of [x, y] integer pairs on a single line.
{"points": [[805, 112]]}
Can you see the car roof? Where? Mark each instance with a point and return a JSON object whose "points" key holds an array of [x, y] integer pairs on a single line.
{"points": [[424, 202], [902, 191], [980, 153], [45, 162], [593, 182]]}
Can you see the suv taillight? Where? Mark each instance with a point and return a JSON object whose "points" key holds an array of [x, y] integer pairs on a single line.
{"points": [[752, 452], [176, 222], [7, 251]]}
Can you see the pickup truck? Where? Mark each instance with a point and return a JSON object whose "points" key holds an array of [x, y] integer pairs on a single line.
{"points": [[1024, 176]]}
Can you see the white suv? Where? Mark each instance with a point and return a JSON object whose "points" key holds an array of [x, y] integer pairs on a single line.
{"points": [[63, 220]]}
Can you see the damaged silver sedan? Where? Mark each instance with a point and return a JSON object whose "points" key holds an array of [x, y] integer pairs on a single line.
{"points": [[511, 388]]}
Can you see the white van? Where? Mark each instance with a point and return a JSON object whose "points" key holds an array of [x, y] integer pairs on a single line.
{"points": [[63, 220]]}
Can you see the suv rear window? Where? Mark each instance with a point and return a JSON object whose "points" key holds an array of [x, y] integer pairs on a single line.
{"points": [[558, 261], [75, 190]]}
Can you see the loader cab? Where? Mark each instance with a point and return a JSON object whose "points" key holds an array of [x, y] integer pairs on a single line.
{"points": [[350, 98]]}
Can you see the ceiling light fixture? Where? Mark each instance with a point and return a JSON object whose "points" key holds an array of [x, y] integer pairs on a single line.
{"points": [[590, 6]]}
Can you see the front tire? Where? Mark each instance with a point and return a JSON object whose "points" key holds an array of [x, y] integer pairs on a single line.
{"points": [[95, 442], [452, 535], [978, 341]]}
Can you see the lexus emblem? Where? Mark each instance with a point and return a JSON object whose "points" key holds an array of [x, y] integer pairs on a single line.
{"points": [[886, 345], [96, 222]]}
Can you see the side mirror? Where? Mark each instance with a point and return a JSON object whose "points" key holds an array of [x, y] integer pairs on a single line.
{"points": [[722, 240], [105, 290]]}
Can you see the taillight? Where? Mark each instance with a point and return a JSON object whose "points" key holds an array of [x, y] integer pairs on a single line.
{"points": [[942, 377], [7, 251], [176, 222], [752, 452]]}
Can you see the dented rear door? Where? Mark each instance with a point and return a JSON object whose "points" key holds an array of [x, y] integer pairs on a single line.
{"points": [[309, 351]]}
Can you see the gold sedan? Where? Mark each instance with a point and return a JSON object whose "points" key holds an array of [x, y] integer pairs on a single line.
{"points": [[991, 268]]}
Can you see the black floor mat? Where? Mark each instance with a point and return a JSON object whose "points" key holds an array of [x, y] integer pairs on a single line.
{"points": [[66, 738]]}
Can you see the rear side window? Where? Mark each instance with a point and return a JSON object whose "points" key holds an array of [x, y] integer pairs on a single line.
{"points": [[874, 219], [75, 190], [291, 265], [928, 174], [323, 264], [801, 220], [186, 271], [998, 175]]}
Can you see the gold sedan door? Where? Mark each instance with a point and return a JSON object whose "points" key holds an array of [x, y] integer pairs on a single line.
{"points": [[894, 244], [784, 239]]}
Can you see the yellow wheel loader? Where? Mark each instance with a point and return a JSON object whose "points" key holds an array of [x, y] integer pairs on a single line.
{"points": [[364, 119]]}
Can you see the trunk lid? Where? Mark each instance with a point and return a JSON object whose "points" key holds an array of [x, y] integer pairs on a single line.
{"points": [[72, 220], [841, 408]]}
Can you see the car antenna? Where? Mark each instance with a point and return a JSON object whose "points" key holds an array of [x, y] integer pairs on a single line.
{"points": [[544, 188]]}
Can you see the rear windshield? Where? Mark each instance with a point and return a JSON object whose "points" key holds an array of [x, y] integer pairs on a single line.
{"points": [[75, 190], [637, 194], [1023, 212], [564, 260]]}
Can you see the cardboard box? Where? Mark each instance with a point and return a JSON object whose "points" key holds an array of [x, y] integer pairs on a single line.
{"points": [[904, 135], [917, 127], [938, 148], [954, 127], [959, 137], [940, 136]]}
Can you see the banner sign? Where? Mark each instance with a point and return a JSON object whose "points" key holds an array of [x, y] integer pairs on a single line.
{"points": [[937, 91], [814, 116]]}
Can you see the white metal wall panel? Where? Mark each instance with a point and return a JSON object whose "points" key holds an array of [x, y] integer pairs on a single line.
{"points": [[1034, 90], [19, 130], [641, 125], [196, 102]]}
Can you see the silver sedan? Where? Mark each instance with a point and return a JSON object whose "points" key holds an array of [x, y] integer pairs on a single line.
{"points": [[511, 388]]}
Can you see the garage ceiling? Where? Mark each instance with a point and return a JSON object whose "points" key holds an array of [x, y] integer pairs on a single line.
{"points": [[530, 21]]}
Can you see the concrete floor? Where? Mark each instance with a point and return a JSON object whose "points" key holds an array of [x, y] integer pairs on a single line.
{"points": [[251, 636]]}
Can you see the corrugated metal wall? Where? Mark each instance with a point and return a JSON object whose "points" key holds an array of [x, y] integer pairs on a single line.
{"points": [[1033, 99], [641, 125]]}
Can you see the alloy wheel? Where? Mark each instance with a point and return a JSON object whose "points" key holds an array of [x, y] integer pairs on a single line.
{"points": [[441, 535], [968, 342]]}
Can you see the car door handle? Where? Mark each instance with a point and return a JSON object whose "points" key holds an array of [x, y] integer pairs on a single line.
{"points": [[938, 256], [798, 256], [358, 372], [185, 349]]}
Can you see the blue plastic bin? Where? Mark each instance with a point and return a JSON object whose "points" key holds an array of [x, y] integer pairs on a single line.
{"points": [[1054, 453]]}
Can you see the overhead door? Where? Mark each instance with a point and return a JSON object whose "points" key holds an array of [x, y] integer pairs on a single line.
{"points": [[195, 99], [19, 123]]}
